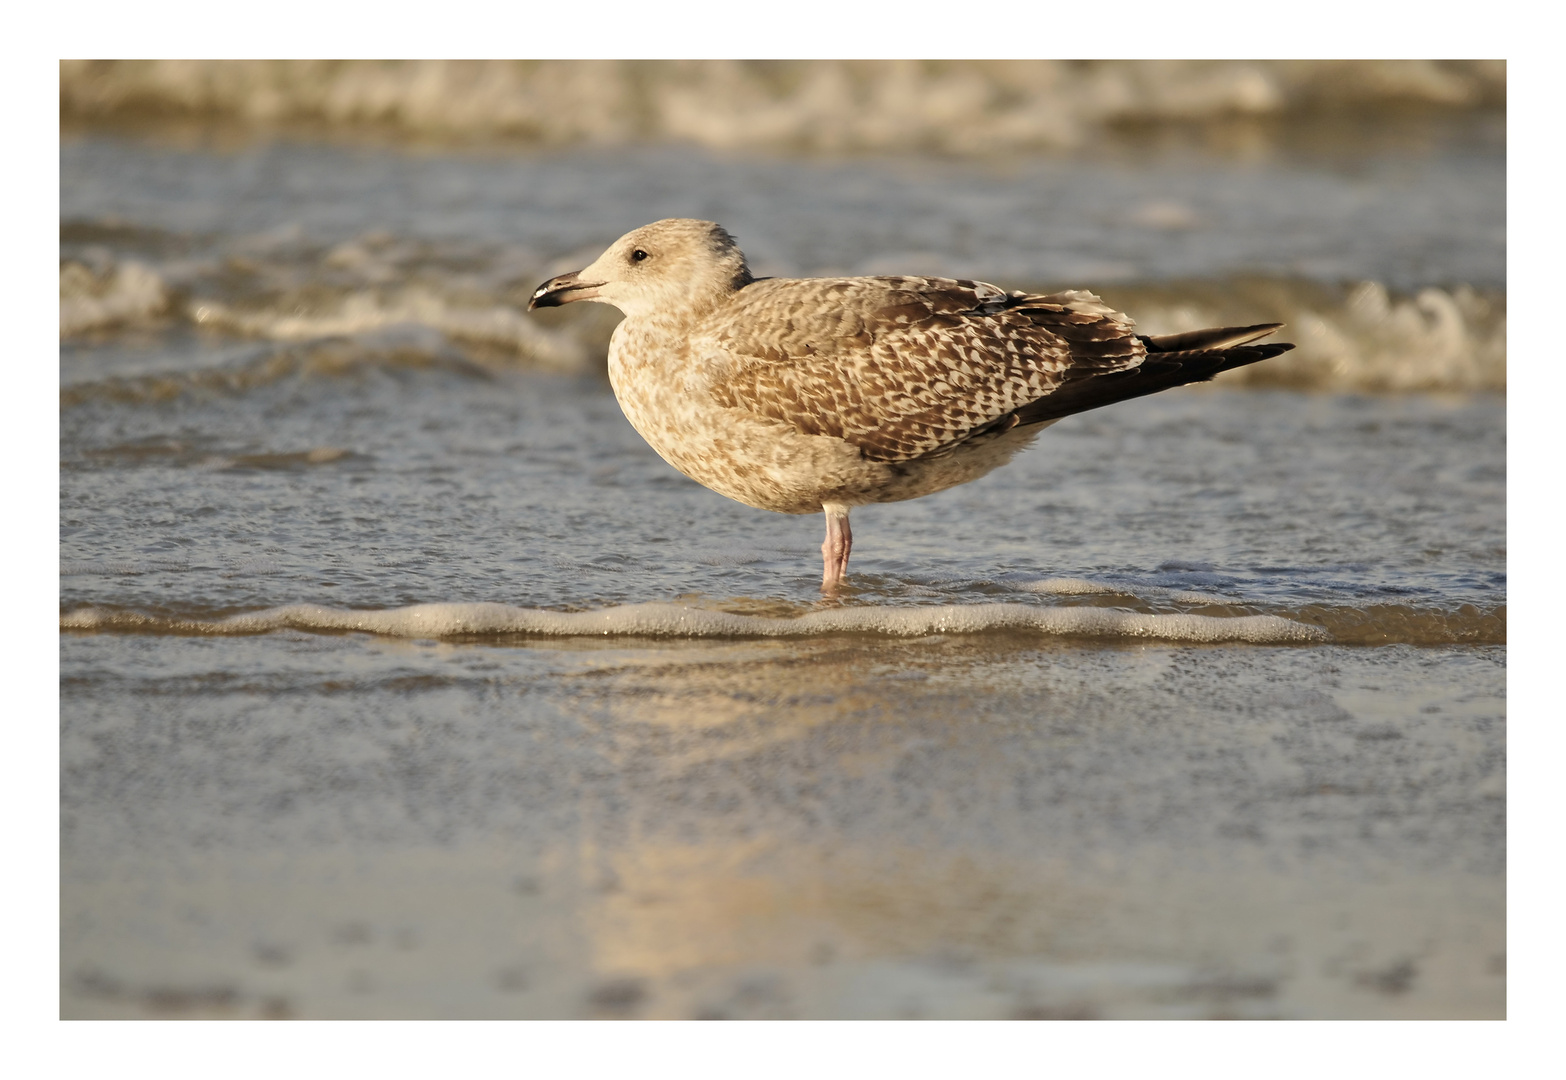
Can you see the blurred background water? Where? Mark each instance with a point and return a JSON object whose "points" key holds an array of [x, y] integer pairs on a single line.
{"points": [[329, 747]]}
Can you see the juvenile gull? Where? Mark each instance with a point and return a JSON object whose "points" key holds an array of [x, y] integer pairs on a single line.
{"points": [[807, 395]]}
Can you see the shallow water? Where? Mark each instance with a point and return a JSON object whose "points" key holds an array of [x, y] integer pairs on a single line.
{"points": [[1380, 519], [399, 677], [1389, 269]]}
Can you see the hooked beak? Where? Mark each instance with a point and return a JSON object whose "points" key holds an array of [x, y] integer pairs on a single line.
{"points": [[563, 290]]}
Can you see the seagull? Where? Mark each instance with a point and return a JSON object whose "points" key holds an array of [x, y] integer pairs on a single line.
{"points": [[816, 395]]}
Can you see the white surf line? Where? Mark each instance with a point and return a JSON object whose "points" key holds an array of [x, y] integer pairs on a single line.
{"points": [[674, 620]]}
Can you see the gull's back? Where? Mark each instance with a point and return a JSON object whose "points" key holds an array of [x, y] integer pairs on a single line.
{"points": [[904, 367]]}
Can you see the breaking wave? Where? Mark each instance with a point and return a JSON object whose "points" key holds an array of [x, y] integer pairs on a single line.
{"points": [[1310, 625], [117, 295], [366, 312], [1362, 338], [826, 105]]}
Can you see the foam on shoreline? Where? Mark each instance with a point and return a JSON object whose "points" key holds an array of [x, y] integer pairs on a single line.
{"points": [[658, 620]]}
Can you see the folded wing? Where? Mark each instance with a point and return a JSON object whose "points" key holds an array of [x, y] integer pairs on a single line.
{"points": [[908, 367]]}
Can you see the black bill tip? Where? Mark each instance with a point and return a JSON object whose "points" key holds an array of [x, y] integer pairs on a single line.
{"points": [[562, 290]]}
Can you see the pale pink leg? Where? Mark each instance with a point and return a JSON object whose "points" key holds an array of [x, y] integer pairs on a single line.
{"points": [[835, 548]]}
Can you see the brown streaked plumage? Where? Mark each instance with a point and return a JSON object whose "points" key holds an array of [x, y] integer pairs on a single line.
{"points": [[821, 394]]}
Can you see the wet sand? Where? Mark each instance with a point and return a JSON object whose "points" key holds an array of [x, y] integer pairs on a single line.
{"points": [[936, 827]]}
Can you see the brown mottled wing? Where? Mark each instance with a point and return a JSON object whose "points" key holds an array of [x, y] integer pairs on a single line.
{"points": [[905, 367]]}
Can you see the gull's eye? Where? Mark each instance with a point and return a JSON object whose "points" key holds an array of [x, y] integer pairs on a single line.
{"points": [[638, 255]]}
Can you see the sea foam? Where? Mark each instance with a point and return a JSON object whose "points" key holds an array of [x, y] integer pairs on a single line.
{"points": [[659, 620], [1361, 338], [959, 106], [113, 295]]}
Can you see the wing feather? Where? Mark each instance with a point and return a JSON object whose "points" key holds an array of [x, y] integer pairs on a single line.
{"points": [[906, 367]]}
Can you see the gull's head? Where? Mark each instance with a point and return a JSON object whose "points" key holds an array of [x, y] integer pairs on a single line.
{"points": [[674, 265]]}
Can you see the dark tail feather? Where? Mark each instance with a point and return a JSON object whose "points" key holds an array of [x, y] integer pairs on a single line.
{"points": [[1218, 337], [1162, 370]]}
